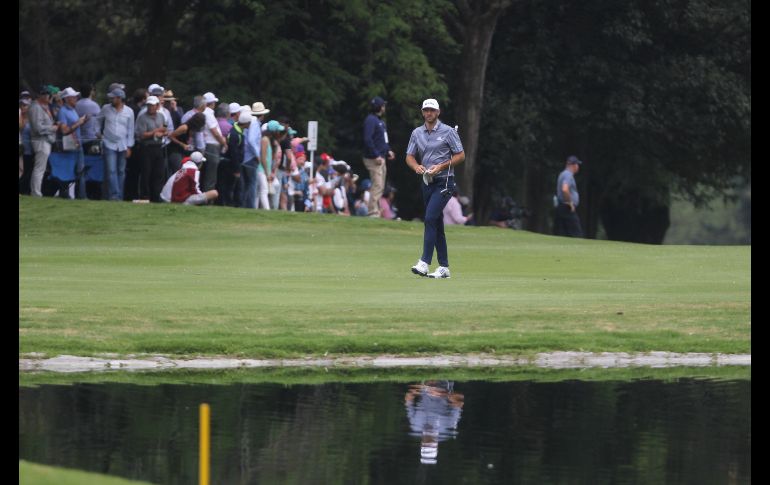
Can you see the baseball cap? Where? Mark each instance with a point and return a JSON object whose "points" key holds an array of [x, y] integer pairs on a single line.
{"points": [[574, 159], [68, 92], [152, 100], [377, 101], [155, 89], [197, 157], [210, 98], [234, 108], [430, 103], [273, 125], [117, 93], [244, 117]]}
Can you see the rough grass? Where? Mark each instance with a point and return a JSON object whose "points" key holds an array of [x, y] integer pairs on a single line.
{"points": [[117, 277]]}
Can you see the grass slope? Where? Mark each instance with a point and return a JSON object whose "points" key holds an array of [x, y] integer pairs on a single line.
{"points": [[117, 277], [35, 474]]}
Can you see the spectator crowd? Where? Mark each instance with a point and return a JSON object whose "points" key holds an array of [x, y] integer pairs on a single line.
{"points": [[146, 148]]}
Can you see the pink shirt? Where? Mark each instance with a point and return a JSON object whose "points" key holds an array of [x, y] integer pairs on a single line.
{"points": [[453, 212], [385, 211]]}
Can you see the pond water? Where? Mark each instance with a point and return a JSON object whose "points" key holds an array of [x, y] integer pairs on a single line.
{"points": [[685, 430]]}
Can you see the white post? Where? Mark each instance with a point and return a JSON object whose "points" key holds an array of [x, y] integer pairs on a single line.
{"points": [[312, 146]]}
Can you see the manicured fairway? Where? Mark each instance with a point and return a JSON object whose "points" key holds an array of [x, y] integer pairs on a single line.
{"points": [[118, 277]]}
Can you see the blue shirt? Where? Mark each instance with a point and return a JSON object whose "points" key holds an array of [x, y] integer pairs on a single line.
{"points": [[375, 137], [69, 116], [433, 147], [569, 178], [117, 127], [88, 106], [252, 144]]}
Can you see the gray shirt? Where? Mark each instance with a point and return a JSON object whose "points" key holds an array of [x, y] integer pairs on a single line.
{"points": [[433, 147], [117, 127], [41, 124], [567, 177], [146, 122], [88, 106]]}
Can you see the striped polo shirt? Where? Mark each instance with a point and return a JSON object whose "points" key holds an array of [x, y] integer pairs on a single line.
{"points": [[432, 147]]}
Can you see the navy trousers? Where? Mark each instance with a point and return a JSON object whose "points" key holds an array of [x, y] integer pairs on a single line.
{"points": [[434, 236]]}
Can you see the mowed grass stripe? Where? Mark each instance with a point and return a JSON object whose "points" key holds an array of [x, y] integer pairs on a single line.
{"points": [[118, 277]]}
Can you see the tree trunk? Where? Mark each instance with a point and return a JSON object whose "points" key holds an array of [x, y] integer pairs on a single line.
{"points": [[477, 23]]}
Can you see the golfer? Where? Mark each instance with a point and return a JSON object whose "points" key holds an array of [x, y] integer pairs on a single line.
{"points": [[439, 150]]}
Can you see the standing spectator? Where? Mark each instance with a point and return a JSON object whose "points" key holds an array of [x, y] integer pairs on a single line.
{"points": [[86, 106], [235, 113], [137, 101], [182, 140], [251, 156], [231, 168], [117, 126], [265, 172], [133, 167], [56, 101], [199, 106], [42, 136], [69, 124], [183, 186], [567, 222], [150, 130], [157, 91], [215, 143], [376, 148], [222, 114], [25, 147], [439, 148], [169, 102]]}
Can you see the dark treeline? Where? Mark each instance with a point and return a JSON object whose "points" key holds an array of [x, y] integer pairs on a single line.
{"points": [[655, 96]]}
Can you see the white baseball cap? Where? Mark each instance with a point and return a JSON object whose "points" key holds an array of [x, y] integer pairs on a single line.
{"points": [[244, 117], [68, 92], [155, 89], [430, 103], [152, 100], [234, 108], [197, 157], [210, 98]]}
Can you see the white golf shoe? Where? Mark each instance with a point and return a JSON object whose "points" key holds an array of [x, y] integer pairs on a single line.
{"points": [[441, 272], [421, 268]]}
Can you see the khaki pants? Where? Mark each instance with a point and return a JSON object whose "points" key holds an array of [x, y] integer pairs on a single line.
{"points": [[42, 150], [377, 174]]}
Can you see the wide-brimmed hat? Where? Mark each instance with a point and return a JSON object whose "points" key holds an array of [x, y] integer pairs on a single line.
{"points": [[259, 109], [168, 95]]}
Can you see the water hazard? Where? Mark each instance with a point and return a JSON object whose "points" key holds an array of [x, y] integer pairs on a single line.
{"points": [[685, 430]]}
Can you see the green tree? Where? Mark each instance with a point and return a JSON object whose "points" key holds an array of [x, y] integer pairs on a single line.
{"points": [[654, 96]]}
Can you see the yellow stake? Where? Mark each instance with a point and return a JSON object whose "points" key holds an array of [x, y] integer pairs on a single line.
{"points": [[203, 468]]}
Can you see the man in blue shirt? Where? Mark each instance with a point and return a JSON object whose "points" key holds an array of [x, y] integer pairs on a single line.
{"points": [[69, 123], [376, 149], [566, 222], [438, 148]]}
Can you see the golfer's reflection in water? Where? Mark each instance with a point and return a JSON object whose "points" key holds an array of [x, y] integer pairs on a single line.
{"points": [[434, 410]]}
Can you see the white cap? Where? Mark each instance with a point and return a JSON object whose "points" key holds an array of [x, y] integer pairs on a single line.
{"points": [[244, 117], [430, 103], [234, 108], [197, 157], [210, 98], [152, 100], [67, 92], [155, 88]]}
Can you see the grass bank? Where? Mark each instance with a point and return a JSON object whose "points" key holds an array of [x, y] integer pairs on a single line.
{"points": [[35, 474], [117, 277]]}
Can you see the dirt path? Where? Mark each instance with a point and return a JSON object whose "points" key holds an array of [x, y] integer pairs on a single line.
{"points": [[552, 360]]}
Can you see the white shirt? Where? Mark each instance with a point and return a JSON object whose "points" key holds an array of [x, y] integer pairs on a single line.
{"points": [[211, 123]]}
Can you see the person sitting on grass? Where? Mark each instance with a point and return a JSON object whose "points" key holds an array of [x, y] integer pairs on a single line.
{"points": [[183, 187]]}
